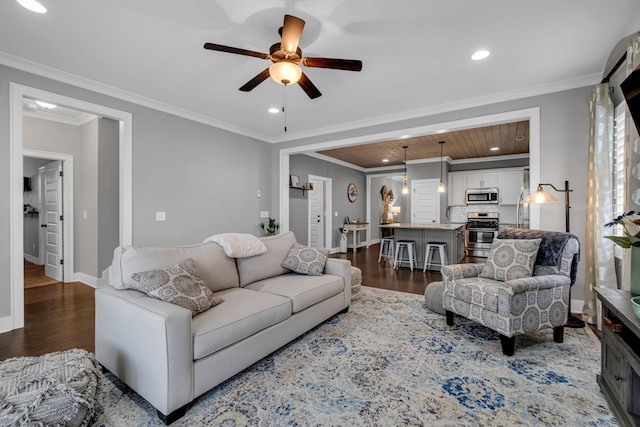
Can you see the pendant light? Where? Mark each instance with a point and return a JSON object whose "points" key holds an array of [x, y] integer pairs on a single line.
{"points": [[405, 187], [441, 188]]}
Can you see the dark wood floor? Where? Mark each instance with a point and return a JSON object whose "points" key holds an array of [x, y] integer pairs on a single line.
{"points": [[61, 316]]}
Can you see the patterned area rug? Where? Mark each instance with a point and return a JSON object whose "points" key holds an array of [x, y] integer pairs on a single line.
{"points": [[391, 362]]}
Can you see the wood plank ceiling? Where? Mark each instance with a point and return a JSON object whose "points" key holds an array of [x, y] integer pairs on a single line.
{"points": [[510, 138]]}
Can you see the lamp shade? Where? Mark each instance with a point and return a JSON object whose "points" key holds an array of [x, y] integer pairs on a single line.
{"points": [[540, 196], [441, 188], [285, 73], [395, 209]]}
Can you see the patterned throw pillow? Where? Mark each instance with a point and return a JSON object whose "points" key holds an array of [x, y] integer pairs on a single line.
{"points": [[305, 260], [511, 259], [178, 284]]}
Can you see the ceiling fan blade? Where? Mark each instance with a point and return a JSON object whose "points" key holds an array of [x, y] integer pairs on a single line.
{"points": [[337, 64], [255, 81], [291, 32], [309, 88], [238, 51]]}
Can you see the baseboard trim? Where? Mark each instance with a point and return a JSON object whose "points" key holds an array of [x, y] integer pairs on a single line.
{"points": [[86, 279], [6, 324], [32, 259]]}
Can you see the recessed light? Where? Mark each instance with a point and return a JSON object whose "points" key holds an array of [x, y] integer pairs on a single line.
{"points": [[481, 54], [274, 110], [385, 160], [33, 6], [46, 105], [494, 148], [405, 136]]}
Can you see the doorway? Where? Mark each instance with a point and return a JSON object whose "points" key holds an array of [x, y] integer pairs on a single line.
{"points": [[425, 201], [17, 94], [319, 208]]}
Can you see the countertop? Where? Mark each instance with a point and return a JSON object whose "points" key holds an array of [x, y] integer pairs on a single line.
{"points": [[412, 225]]}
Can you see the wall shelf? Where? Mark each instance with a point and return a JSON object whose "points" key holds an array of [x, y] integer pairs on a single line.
{"points": [[300, 188]]}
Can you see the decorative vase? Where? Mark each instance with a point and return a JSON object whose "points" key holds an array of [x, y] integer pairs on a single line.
{"points": [[635, 270]]}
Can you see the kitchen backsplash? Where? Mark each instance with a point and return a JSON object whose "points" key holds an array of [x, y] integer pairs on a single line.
{"points": [[458, 214]]}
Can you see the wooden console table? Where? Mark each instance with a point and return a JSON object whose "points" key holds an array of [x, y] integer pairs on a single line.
{"points": [[354, 227], [619, 379]]}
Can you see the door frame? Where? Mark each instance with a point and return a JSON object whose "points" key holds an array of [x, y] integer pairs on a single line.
{"points": [[328, 208], [532, 114], [413, 199], [16, 265], [67, 207]]}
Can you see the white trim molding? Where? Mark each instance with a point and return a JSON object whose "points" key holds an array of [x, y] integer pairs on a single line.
{"points": [[16, 264], [531, 114]]}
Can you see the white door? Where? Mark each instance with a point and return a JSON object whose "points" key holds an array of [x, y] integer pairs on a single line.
{"points": [[316, 215], [425, 201], [52, 220]]}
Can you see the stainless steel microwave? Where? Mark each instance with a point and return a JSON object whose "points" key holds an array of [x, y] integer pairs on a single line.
{"points": [[477, 196]]}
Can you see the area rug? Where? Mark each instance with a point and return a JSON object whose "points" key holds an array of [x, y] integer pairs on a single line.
{"points": [[390, 361]]}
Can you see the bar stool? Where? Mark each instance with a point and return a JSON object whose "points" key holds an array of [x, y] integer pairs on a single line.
{"points": [[430, 249], [386, 248], [410, 246]]}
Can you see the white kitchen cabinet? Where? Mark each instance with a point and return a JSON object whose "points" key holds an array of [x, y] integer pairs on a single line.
{"points": [[509, 186], [482, 179], [457, 189], [508, 181]]}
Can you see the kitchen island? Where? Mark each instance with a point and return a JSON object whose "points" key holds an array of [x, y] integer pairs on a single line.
{"points": [[451, 234]]}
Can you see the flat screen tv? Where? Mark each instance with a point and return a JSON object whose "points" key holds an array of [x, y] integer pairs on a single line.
{"points": [[631, 90]]}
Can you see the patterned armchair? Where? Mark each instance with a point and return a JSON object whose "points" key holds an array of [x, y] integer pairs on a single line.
{"points": [[518, 290]]}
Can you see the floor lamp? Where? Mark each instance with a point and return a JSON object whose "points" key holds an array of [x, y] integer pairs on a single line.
{"points": [[541, 196]]}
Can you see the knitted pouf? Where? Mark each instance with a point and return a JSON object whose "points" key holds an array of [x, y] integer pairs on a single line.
{"points": [[356, 282], [433, 297], [54, 389]]}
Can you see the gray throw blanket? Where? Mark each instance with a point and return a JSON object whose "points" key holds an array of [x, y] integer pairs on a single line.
{"points": [[551, 246]]}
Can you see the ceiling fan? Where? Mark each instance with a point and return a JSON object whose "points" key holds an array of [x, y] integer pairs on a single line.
{"points": [[287, 57]]}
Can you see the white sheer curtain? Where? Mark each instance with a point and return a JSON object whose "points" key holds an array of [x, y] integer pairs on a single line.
{"points": [[632, 172], [598, 251]]}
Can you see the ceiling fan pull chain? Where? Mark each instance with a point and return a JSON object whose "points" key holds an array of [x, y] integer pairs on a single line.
{"points": [[284, 104]]}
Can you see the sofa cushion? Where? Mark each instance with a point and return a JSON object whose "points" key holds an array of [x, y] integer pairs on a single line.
{"points": [[238, 245], [178, 284], [243, 313], [216, 269], [510, 259], [269, 263], [305, 260], [303, 291]]}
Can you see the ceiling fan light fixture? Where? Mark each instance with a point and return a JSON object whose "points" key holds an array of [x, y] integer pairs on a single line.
{"points": [[33, 6], [285, 73]]}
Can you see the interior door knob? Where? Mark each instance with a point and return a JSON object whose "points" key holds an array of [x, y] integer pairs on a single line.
{"points": [[43, 225]]}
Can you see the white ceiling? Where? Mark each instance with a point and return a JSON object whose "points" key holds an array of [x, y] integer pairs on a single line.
{"points": [[415, 54]]}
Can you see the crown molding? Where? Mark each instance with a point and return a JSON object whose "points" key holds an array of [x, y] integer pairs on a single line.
{"points": [[92, 85], [82, 119]]}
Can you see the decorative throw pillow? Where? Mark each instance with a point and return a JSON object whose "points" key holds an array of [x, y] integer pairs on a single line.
{"points": [[238, 245], [511, 259], [305, 260], [178, 284]]}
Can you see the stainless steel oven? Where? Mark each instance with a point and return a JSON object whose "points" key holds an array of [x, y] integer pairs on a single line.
{"points": [[480, 230]]}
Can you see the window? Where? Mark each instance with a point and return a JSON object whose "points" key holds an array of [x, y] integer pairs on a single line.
{"points": [[617, 203]]}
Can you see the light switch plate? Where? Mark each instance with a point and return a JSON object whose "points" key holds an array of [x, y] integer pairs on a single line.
{"points": [[258, 194], [161, 216]]}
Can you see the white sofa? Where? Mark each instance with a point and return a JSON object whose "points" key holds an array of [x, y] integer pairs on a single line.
{"points": [[169, 357]]}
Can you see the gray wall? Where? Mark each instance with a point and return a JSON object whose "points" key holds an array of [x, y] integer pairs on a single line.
{"points": [[204, 178], [513, 163], [31, 231], [341, 176], [107, 188], [377, 203]]}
